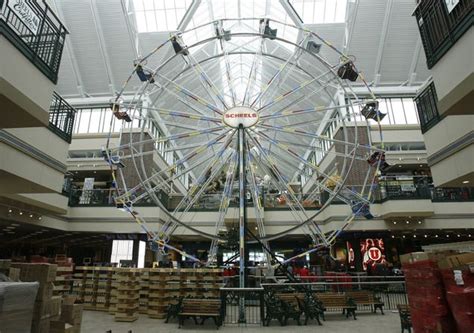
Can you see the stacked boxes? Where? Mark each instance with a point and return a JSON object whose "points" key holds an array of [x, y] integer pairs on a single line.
{"points": [[429, 308], [158, 293], [128, 294], [144, 284], [71, 317], [47, 307]]}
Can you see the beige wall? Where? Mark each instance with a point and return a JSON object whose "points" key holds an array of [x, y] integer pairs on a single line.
{"points": [[25, 93]]}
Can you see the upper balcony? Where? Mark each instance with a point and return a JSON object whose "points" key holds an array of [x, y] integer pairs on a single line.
{"points": [[31, 43]]}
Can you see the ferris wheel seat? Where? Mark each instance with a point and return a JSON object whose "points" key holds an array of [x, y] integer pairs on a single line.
{"points": [[178, 48], [144, 77], [348, 72], [371, 111], [313, 47]]}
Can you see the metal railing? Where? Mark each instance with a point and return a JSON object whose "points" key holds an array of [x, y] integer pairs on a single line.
{"points": [[61, 117], [427, 106], [252, 300], [33, 28], [440, 28]]}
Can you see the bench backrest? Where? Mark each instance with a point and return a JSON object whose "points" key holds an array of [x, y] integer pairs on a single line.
{"points": [[332, 299], [201, 306], [361, 296]]}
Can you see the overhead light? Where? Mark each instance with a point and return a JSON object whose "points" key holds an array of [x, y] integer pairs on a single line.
{"points": [[426, 236], [414, 236], [393, 236], [399, 165], [469, 235], [394, 222], [403, 236], [39, 218], [21, 213], [447, 236], [10, 210], [419, 222], [466, 182], [436, 236], [421, 165], [31, 215], [408, 222], [459, 235]]}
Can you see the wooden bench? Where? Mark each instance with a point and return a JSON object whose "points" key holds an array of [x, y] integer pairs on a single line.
{"points": [[339, 301], [364, 297], [308, 304], [405, 317], [202, 309], [274, 309]]}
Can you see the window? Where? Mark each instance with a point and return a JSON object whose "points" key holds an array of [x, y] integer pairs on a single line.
{"points": [[320, 11], [159, 15], [141, 254], [121, 250]]}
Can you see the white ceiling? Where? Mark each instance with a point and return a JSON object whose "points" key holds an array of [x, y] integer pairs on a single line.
{"points": [[381, 35]]}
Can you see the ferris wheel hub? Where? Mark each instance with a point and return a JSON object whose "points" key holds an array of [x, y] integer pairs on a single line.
{"points": [[240, 115]]}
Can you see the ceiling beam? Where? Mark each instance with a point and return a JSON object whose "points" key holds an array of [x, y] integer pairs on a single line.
{"points": [[291, 13], [414, 62], [100, 36], [189, 15], [132, 33], [378, 61], [71, 54]]}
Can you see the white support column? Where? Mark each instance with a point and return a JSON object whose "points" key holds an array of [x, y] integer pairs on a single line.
{"points": [[383, 35]]}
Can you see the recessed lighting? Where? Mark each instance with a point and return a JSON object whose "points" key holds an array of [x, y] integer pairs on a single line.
{"points": [[403, 236], [399, 165], [21, 213], [426, 236], [39, 218], [394, 222], [459, 235], [421, 165], [393, 236], [414, 236], [419, 222], [31, 215], [466, 182], [408, 222], [10, 210], [447, 236], [469, 235], [436, 236]]}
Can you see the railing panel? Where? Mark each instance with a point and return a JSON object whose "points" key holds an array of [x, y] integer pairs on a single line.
{"points": [[254, 310], [61, 117], [36, 32], [427, 107]]}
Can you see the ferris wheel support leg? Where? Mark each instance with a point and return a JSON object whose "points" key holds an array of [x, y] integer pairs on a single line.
{"points": [[242, 222]]}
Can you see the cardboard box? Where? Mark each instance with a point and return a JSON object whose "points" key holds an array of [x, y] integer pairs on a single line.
{"points": [[5, 264], [14, 274], [40, 326], [458, 261], [36, 272], [414, 257], [45, 291], [72, 314]]}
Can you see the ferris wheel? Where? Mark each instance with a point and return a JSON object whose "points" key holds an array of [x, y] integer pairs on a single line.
{"points": [[238, 116]]}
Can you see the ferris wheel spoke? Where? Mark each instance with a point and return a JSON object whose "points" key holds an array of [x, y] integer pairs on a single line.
{"points": [[278, 73], [253, 71], [185, 159], [290, 113], [315, 168], [182, 114], [298, 88], [295, 212], [206, 82], [224, 205], [280, 178], [188, 94], [318, 137]]}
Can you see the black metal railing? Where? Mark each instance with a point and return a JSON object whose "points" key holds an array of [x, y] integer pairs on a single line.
{"points": [[36, 32], [61, 117], [251, 300], [427, 106], [440, 28]]}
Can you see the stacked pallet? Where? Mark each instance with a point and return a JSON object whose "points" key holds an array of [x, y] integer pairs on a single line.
{"points": [[128, 294], [144, 284], [103, 280], [64, 277], [113, 292], [158, 294]]}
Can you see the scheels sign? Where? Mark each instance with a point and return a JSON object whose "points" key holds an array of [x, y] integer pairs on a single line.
{"points": [[26, 14], [240, 115]]}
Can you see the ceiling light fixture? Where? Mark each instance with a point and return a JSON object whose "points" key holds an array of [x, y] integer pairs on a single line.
{"points": [[408, 222], [466, 182], [419, 222], [394, 222], [21, 213], [10, 210]]}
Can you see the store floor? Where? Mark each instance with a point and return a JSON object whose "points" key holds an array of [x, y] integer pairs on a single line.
{"points": [[100, 322]]}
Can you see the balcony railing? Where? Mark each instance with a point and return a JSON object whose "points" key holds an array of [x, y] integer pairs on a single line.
{"points": [[440, 27], [61, 117], [36, 32], [427, 107]]}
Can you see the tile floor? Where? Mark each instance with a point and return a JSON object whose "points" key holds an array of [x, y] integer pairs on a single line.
{"points": [[100, 322]]}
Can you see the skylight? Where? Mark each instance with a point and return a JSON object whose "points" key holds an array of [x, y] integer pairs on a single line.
{"points": [[159, 15], [320, 11]]}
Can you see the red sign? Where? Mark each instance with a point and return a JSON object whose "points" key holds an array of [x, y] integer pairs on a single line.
{"points": [[372, 251]]}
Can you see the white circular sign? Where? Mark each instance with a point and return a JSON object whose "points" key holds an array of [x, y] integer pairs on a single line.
{"points": [[375, 254], [240, 115]]}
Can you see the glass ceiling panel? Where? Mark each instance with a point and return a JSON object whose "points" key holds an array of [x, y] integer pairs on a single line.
{"points": [[320, 11], [159, 15]]}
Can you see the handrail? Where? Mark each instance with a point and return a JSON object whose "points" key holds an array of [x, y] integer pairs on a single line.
{"points": [[61, 117]]}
